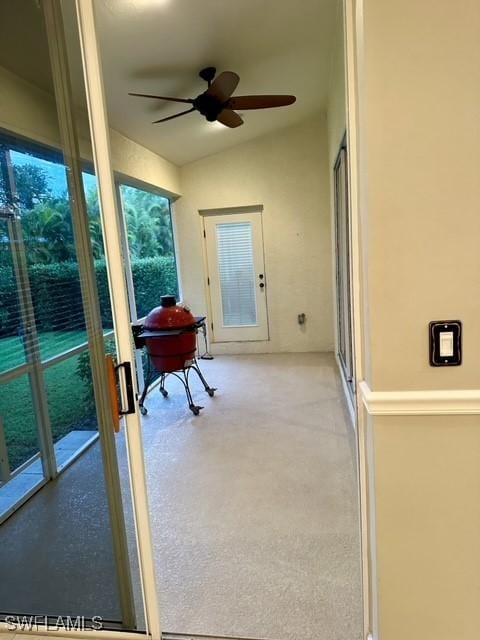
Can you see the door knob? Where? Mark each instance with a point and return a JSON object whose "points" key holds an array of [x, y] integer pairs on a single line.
{"points": [[261, 285], [260, 275]]}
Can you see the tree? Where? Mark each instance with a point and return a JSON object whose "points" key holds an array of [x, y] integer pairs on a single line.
{"points": [[32, 186], [48, 233], [149, 225], [94, 223]]}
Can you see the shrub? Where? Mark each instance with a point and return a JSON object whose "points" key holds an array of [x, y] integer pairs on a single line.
{"points": [[152, 278], [84, 371], [57, 299]]}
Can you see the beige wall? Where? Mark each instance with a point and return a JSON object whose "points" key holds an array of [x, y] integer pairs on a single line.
{"points": [[422, 135], [419, 96], [286, 172], [30, 112], [336, 104], [336, 123], [428, 526]]}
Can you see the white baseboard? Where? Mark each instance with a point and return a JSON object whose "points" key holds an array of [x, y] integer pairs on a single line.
{"points": [[428, 402]]}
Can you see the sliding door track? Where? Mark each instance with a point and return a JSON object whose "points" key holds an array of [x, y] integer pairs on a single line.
{"points": [[195, 636]]}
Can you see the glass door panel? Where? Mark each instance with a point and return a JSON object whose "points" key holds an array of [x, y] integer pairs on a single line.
{"points": [[71, 406], [11, 343], [19, 424], [66, 550], [343, 269]]}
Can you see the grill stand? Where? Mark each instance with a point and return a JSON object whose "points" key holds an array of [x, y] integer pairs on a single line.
{"points": [[183, 376], [140, 335]]}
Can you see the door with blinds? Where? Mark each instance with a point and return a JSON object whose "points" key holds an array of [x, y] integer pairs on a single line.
{"points": [[236, 277]]}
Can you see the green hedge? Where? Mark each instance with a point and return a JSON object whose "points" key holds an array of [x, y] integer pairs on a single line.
{"points": [[57, 297]]}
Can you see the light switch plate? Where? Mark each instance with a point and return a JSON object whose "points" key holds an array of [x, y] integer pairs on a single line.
{"points": [[445, 340]]}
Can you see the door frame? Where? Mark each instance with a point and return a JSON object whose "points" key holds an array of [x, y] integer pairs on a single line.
{"points": [[353, 31], [100, 133], [208, 267], [347, 363], [204, 213]]}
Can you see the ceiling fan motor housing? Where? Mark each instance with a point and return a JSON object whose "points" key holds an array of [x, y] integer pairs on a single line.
{"points": [[208, 106]]}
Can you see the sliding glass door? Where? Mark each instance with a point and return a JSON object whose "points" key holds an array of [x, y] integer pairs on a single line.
{"points": [[343, 268], [66, 545]]}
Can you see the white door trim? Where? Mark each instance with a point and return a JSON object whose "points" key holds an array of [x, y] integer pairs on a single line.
{"points": [[353, 12], [112, 234]]}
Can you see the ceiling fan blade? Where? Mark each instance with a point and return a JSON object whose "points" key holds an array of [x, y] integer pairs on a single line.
{"points": [[259, 102], [229, 118], [176, 115], [223, 86], [146, 95]]}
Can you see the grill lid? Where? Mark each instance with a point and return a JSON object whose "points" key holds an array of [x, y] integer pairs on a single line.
{"points": [[169, 315]]}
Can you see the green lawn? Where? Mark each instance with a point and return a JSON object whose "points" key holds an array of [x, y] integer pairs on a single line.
{"points": [[51, 343], [67, 395]]}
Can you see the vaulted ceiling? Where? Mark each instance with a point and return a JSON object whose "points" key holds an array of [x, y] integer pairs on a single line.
{"points": [[159, 46]]}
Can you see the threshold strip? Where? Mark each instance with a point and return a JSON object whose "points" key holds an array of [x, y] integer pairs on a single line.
{"points": [[195, 636]]}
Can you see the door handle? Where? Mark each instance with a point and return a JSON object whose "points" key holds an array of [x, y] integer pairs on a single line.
{"points": [[261, 285], [113, 392], [115, 388], [130, 396]]}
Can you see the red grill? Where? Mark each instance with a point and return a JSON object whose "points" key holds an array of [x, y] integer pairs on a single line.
{"points": [[178, 342], [169, 335]]}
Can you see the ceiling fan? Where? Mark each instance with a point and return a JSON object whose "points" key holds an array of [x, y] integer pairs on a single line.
{"points": [[218, 104]]}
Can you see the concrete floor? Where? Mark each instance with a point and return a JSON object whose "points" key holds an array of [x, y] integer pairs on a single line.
{"points": [[254, 502], [254, 510], [56, 551]]}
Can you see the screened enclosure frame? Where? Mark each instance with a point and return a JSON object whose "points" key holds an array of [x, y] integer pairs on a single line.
{"points": [[35, 365], [122, 179]]}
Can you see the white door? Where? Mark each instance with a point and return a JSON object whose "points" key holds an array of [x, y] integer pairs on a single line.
{"points": [[236, 277]]}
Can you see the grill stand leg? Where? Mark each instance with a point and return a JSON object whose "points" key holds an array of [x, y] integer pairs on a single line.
{"points": [[163, 391], [183, 377], [148, 381]]}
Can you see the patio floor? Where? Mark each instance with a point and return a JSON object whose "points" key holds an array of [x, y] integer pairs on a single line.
{"points": [[24, 483], [254, 510]]}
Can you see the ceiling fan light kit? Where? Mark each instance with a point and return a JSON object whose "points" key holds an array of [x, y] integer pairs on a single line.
{"points": [[217, 103]]}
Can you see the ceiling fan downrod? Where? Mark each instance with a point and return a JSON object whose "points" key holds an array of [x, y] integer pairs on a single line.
{"points": [[208, 74]]}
